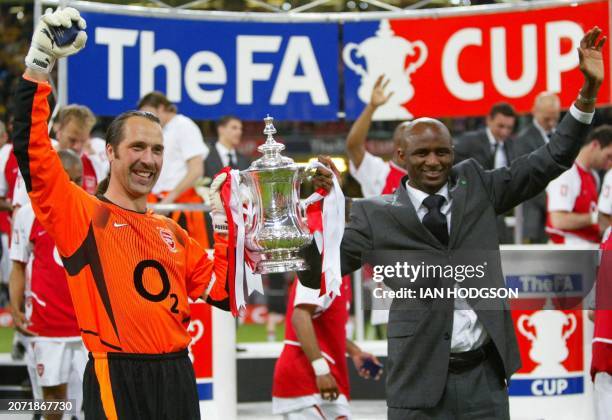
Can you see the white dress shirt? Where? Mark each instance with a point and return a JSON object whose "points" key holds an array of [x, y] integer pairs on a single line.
{"points": [[468, 331], [543, 132], [500, 154], [182, 141], [224, 153]]}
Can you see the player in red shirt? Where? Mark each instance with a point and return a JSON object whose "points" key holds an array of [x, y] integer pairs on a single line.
{"points": [[7, 179], [601, 364], [375, 176], [49, 318], [311, 374], [572, 198]]}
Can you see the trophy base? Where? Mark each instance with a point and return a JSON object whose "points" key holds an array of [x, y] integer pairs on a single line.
{"points": [[281, 262]]}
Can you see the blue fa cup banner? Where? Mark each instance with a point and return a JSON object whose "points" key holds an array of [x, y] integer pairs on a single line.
{"points": [[208, 68]]}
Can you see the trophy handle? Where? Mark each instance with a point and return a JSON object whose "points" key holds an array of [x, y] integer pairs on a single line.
{"points": [[521, 327], [248, 207], [348, 60], [420, 45], [306, 172], [571, 318]]}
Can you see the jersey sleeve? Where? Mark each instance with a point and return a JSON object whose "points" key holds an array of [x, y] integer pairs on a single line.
{"points": [[206, 277], [63, 209], [371, 174], [20, 194], [307, 296], [563, 191], [605, 198], [21, 248]]}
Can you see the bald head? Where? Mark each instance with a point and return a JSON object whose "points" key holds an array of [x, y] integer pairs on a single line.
{"points": [[72, 165], [425, 126], [426, 152], [546, 110]]}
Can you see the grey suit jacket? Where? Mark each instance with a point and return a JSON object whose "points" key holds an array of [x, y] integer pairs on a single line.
{"points": [[419, 340], [475, 145], [534, 210], [213, 163]]}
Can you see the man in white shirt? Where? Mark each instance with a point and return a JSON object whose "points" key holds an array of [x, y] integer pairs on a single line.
{"points": [[184, 154], [375, 176]]}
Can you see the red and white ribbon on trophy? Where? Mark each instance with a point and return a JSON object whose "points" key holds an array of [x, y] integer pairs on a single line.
{"points": [[325, 215]]}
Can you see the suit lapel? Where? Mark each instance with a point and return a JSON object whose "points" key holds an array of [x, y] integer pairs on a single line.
{"points": [[458, 193], [402, 210]]}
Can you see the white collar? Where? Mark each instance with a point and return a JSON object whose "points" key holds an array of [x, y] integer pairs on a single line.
{"points": [[417, 196], [541, 130], [224, 151], [491, 137]]}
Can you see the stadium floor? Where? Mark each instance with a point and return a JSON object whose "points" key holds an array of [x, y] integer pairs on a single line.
{"points": [[361, 410]]}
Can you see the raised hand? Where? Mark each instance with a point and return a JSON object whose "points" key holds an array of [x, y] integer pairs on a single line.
{"points": [[58, 34], [591, 57], [379, 97]]}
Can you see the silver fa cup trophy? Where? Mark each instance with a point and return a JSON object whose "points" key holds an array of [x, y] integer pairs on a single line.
{"points": [[277, 228]]}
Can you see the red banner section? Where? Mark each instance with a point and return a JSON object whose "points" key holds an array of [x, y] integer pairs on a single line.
{"points": [[462, 65], [476, 61]]}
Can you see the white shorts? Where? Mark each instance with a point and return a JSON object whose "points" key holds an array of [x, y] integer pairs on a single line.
{"points": [[325, 411], [603, 396], [55, 359], [311, 407]]}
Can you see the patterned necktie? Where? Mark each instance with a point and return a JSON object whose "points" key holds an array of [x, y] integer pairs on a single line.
{"points": [[434, 220]]}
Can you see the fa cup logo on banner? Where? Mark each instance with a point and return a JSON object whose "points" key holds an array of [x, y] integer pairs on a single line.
{"points": [[386, 54], [548, 344], [196, 331]]}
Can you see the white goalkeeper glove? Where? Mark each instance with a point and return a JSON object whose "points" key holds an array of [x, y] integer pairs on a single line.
{"points": [[219, 219], [58, 34]]}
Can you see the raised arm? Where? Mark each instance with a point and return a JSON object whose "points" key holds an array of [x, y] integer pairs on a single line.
{"points": [[529, 174], [355, 142], [61, 207]]}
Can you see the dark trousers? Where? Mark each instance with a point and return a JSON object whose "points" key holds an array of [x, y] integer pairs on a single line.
{"points": [[140, 387], [477, 394]]}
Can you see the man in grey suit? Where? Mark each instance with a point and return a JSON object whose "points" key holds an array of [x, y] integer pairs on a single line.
{"points": [[490, 145], [546, 112], [493, 148], [451, 358], [223, 152]]}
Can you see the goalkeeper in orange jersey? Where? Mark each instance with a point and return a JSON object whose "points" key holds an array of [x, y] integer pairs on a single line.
{"points": [[130, 272]]}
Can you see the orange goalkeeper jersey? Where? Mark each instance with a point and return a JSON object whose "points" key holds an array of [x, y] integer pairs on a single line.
{"points": [[130, 274]]}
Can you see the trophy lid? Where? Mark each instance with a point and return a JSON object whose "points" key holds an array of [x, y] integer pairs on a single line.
{"points": [[271, 150]]}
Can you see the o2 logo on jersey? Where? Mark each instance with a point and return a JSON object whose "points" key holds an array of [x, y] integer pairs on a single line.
{"points": [[167, 237]]}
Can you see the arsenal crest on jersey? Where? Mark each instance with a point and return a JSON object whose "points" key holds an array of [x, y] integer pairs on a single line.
{"points": [[167, 237]]}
